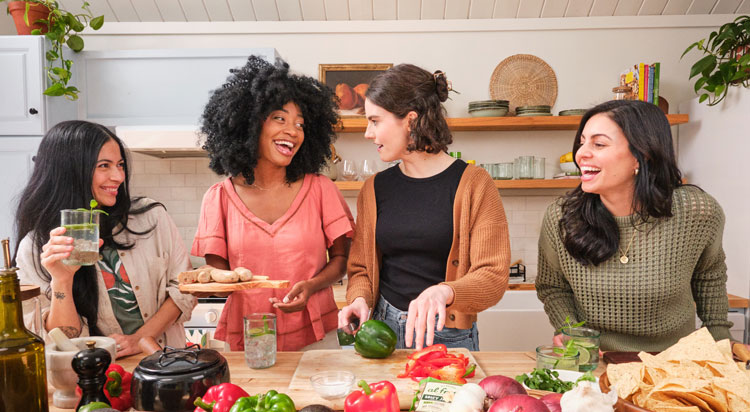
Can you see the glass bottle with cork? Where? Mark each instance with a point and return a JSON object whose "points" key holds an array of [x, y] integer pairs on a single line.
{"points": [[24, 383]]}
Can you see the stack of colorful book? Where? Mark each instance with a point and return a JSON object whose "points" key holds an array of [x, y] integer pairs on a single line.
{"points": [[643, 80]]}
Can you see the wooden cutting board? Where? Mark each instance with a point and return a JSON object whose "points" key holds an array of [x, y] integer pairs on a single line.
{"points": [[371, 370], [231, 287]]}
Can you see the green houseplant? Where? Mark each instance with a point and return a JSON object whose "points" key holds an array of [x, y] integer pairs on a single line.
{"points": [[61, 27], [726, 61]]}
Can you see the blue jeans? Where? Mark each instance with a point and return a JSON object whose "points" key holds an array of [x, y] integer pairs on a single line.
{"points": [[450, 337]]}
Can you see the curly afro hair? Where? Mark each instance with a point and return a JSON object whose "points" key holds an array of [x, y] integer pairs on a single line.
{"points": [[234, 115]]}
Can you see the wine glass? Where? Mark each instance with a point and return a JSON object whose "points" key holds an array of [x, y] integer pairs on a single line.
{"points": [[369, 168], [349, 170]]}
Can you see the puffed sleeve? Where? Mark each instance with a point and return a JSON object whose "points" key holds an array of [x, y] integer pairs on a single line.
{"points": [[337, 218], [211, 236]]}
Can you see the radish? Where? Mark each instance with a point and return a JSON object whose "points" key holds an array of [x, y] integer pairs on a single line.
{"points": [[518, 403]]}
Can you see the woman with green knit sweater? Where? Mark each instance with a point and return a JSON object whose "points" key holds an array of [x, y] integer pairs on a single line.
{"points": [[632, 251], [431, 245]]}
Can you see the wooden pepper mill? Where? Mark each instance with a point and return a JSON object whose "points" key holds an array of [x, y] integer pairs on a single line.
{"points": [[91, 366]]}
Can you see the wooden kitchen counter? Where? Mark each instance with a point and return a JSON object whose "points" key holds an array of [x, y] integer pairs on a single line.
{"points": [[278, 376]]}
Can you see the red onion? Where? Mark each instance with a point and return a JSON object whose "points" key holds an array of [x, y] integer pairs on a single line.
{"points": [[552, 401], [518, 403], [499, 386]]}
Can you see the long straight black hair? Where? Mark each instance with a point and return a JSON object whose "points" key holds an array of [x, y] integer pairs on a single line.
{"points": [[589, 230], [62, 177]]}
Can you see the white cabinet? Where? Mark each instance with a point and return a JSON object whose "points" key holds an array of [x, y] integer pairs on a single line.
{"points": [[16, 158]]}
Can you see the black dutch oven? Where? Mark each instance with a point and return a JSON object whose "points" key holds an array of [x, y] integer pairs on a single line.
{"points": [[169, 380]]}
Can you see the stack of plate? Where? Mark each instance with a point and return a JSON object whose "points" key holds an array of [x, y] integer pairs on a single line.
{"points": [[488, 108], [573, 112], [541, 110]]}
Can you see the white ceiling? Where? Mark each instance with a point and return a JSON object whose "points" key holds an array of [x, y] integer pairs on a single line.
{"points": [[316, 10]]}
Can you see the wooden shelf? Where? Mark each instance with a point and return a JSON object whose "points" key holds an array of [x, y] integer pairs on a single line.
{"points": [[462, 124], [500, 184]]}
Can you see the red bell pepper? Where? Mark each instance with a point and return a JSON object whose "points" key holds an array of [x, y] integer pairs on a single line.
{"points": [[378, 397], [219, 398], [117, 388]]}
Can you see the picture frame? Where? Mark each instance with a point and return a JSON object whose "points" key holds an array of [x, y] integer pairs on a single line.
{"points": [[349, 83]]}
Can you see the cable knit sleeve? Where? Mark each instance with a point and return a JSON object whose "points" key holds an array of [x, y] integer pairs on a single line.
{"points": [[359, 279], [551, 286], [709, 282]]}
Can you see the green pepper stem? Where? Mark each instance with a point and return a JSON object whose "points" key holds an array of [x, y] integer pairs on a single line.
{"points": [[203, 405], [365, 387]]}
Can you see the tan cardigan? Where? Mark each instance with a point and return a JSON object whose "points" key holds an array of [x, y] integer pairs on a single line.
{"points": [[479, 259]]}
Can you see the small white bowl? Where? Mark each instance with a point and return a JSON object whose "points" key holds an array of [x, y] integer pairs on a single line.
{"points": [[568, 167], [60, 373], [332, 384]]}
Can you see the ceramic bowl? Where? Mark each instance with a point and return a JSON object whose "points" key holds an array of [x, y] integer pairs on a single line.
{"points": [[488, 112], [60, 373], [568, 167], [332, 384]]}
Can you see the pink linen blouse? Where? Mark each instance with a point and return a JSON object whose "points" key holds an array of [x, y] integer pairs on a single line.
{"points": [[293, 248]]}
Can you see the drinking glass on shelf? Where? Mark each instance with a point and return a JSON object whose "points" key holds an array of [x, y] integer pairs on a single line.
{"points": [[539, 167], [526, 167], [369, 168], [349, 170]]}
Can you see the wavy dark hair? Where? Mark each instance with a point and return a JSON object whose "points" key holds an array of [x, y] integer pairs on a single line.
{"points": [[63, 173], [405, 88], [589, 230], [233, 118]]}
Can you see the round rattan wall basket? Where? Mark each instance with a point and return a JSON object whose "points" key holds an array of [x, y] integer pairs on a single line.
{"points": [[524, 80]]}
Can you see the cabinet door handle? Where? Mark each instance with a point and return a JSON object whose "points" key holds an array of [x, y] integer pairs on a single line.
{"points": [[33, 111]]}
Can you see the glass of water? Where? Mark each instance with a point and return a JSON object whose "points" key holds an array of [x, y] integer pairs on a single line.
{"points": [[83, 227], [260, 340]]}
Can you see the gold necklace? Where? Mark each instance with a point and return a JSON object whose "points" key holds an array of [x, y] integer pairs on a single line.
{"points": [[624, 255]]}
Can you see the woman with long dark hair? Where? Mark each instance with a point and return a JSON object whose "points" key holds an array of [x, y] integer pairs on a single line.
{"points": [[632, 251], [270, 132], [131, 292], [431, 248]]}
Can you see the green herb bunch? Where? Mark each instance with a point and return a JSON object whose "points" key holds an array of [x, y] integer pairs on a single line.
{"points": [[549, 380], [569, 348]]}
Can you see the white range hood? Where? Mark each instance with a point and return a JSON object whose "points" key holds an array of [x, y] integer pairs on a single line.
{"points": [[163, 140]]}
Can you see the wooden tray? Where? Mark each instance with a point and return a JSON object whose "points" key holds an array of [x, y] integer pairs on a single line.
{"points": [[231, 287], [622, 405], [371, 370]]}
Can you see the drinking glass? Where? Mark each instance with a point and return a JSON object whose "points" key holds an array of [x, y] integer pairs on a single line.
{"points": [[526, 167], [83, 227], [539, 167], [505, 171], [260, 340], [349, 170], [554, 357], [587, 342], [369, 168]]}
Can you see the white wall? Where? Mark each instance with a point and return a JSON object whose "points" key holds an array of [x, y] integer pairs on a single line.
{"points": [[587, 54]]}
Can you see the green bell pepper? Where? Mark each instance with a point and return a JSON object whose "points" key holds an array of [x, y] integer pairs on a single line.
{"points": [[344, 338], [375, 339], [93, 406], [272, 401]]}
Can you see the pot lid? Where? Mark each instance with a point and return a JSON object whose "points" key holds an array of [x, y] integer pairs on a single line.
{"points": [[173, 361]]}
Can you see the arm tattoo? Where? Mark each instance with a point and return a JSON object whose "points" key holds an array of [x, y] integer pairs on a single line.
{"points": [[59, 295], [70, 331]]}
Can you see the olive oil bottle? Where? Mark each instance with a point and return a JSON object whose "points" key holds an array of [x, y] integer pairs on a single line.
{"points": [[23, 382]]}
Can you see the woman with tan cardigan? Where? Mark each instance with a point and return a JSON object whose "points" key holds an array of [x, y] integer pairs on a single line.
{"points": [[431, 247]]}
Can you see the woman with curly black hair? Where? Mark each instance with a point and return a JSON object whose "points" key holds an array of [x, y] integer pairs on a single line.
{"points": [[270, 131], [432, 238]]}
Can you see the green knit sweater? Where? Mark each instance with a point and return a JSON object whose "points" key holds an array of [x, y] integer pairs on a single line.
{"points": [[676, 266]]}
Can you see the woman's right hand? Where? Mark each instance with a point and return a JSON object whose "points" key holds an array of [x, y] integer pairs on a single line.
{"points": [[54, 251], [358, 309], [557, 340]]}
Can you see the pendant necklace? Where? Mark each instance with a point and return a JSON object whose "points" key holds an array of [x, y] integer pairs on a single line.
{"points": [[624, 255]]}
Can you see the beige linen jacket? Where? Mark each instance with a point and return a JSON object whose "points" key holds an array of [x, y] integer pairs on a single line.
{"points": [[152, 265]]}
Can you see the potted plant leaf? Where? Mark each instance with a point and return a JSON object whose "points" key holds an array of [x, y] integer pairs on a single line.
{"points": [[61, 27], [726, 62]]}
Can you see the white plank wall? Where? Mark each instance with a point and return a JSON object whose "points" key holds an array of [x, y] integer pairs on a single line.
{"points": [[701, 6], [171, 10], [147, 10], [530, 8], [337, 9], [744, 7], [265, 10], [579, 8], [481, 9], [554, 8], [385, 9], [218, 10], [457, 9], [726, 6], [313, 10], [605, 7], [124, 10], [409, 9], [628, 7], [360, 9], [652, 7], [289, 10], [677, 7], [194, 10], [242, 10], [433, 9], [506, 9]]}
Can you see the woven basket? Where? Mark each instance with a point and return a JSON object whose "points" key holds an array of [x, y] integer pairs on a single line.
{"points": [[525, 80]]}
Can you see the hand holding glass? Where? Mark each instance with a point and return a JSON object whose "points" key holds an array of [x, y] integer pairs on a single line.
{"points": [[83, 227]]}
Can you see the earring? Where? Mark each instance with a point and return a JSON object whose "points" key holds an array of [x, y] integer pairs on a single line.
{"points": [[636, 172]]}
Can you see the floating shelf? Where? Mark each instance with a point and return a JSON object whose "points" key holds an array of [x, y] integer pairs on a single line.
{"points": [[462, 124], [500, 184]]}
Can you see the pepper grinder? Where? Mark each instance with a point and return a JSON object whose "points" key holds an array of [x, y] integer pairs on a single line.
{"points": [[91, 366]]}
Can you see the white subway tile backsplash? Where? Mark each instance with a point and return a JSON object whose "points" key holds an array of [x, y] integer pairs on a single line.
{"points": [[144, 180], [539, 202], [204, 179], [516, 230], [175, 206], [514, 203], [172, 180], [157, 166], [137, 167], [183, 166], [185, 219], [194, 206], [156, 193], [526, 217], [183, 193]]}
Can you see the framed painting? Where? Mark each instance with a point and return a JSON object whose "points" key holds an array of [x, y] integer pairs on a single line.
{"points": [[349, 83]]}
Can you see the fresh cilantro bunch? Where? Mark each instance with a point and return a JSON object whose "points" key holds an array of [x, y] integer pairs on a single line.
{"points": [[549, 380]]}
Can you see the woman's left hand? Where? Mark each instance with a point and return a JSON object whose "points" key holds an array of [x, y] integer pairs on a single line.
{"points": [[296, 299], [126, 344], [422, 311]]}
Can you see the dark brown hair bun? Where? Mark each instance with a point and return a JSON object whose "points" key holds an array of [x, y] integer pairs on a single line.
{"points": [[441, 85]]}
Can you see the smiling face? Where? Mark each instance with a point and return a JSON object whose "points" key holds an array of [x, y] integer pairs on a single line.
{"points": [[606, 163], [109, 174], [282, 135], [388, 132]]}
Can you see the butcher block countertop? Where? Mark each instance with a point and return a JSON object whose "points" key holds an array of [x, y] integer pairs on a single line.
{"points": [[280, 375]]}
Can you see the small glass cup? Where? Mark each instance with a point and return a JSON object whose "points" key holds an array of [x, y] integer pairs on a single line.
{"points": [[554, 357], [83, 227], [369, 168], [349, 170], [587, 342], [504, 171], [526, 167], [260, 340], [539, 167]]}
